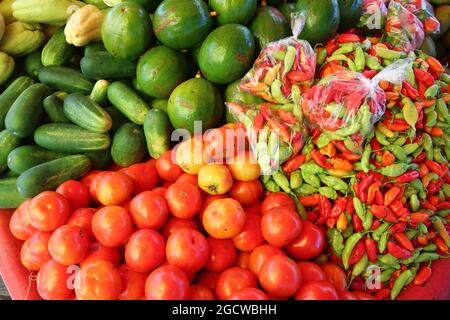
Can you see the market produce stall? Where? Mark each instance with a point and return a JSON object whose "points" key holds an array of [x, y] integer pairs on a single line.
{"points": [[191, 149]]}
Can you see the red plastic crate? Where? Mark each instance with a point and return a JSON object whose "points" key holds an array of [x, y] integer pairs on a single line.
{"points": [[17, 278]]}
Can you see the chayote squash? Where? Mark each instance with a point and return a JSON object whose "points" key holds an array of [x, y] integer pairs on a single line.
{"points": [[6, 10], [21, 38], [6, 67], [2, 26], [54, 12], [84, 26]]}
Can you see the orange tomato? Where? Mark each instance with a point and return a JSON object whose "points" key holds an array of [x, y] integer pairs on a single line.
{"points": [[98, 280], [167, 169], [215, 178], [114, 188], [244, 166], [247, 192], [34, 252], [207, 200], [93, 178], [53, 281], [189, 155], [149, 210], [69, 244], [224, 218], [133, 283], [112, 226], [48, 211], [82, 217], [184, 199]]}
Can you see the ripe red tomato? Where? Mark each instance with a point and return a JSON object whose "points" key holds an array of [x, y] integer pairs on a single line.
{"points": [[189, 178], [311, 271], [76, 192], [94, 177], [232, 281], [260, 255], [187, 249], [200, 292], [113, 188], [97, 252], [166, 168], [149, 210], [280, 276], [34, 252], [69, 244], [89, 177], [144, 175], [247, 192], [184, 200], [222, 254], [98, 280], [361, 295], [82, 217], [250, 236], [224, 218], [347, 295], [48, 211], [254, 209], [243, 260], [112, 226], [208, 279], [161, 191], [335, 275], [53, 282], [249, 294], [317, 290], [309, 243], [174, 223], [133, 283], [167, 283], [277, 199], [280, 225], [145, 250], [19, 224]]}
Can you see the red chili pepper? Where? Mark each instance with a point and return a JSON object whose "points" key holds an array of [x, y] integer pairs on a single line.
{"points": [[371, 249], [398, 227], [379, 199], [294, 163], [350, 209], [374, 144], [442, 206], [427, 205], [358, 284], [445, 169], [418, 217], [361, 175], [324, 206], [433, 187], [258, 121], [391, 195], [375, 224], [434, 166], [357, 223], [331, 46], [320, 159], [357, 253], [390, 216], [422, 276], [408, 176], [397, 251], [403, 240], [421, 88], [347, 37], [357, 189], [440, 243], [279, 128], [397, 207], [383, 294], [311, 200], [338, 207], [287, 116], [363, 185], [424, 77], [369, 74], [372, 190], [410, 91], [376, 175], [298, 76], [378, 211]]}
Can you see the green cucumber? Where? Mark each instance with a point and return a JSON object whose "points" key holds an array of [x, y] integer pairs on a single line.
{"points": [[100, 160], [94, 47], [65, 79], [54, 107], [103, 65], [49, 175], [10, 95], [99, 93], [157, 130], [11, 197], [25, 113], [8, 142], [118, 119], [33, 64], [25, 157], [82, 111], [127, 101], [70, 138], [57, 51], [128, 145]]}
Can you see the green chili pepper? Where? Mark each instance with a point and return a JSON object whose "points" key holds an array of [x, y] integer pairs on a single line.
{"points": [[306, 189], [432, 91], [445, 77], [389, 54], [334, 182], [427, 256], [398, 152], [386, 274], [344, 49], [351, 145], [322, 141], [322, 56], [311, 179], [446, 188], [277, 94], [295, 180], [400, 282], [437, 156], [311, 168], [296, 96], [381, 138], [360, 266], [300, 208], [308, 148], [442, 109], [328, 192], [360, 60], [282, 181], [289, 59], [394, 170], [400, 141], [383, 241], [278, 54], [387, 62], [378, 232], [373, 63], [443, 213], [349, 130], [367, 222], [411, 233], [387, 259], [348, 248], [440, 228], [447, 149], [365, 118], [410, 148], [422, 228], [336, 241], [409, 192], [359, 208], [351, 65], [412, 258], [337, 57], [410, 112], [431, 118], [272, 186], [414, 202], [431, 247]]}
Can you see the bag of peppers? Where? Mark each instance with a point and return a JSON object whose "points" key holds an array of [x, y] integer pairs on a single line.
{"points": [[423, 10], [283, 69], [373, 14], [275, 132], [404, 31]]}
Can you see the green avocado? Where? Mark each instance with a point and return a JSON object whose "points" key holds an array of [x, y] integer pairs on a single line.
{"points": [[269, 25], [234, 11]]}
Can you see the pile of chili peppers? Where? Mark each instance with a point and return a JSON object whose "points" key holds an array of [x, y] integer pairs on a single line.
{"points": [[283, 70], [385, 206], [423, 10]]}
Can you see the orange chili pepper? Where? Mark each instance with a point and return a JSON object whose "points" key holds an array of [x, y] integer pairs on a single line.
{"points": [[426, 179], [341, 164], [391, 195], [446, 99], [331, 222], [397, 126], [440, 243], [372, 190], [387, 159], [329, 150], [436, 132], [434, 200], [425, 103], [434, 64], [401, 238], [384, 84], [423, 170], [391, 96], [310, 201], [342, 222], [422, 240]]}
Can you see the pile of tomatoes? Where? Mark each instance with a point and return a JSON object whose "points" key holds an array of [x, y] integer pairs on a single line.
{"points": [[153, 231]]}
